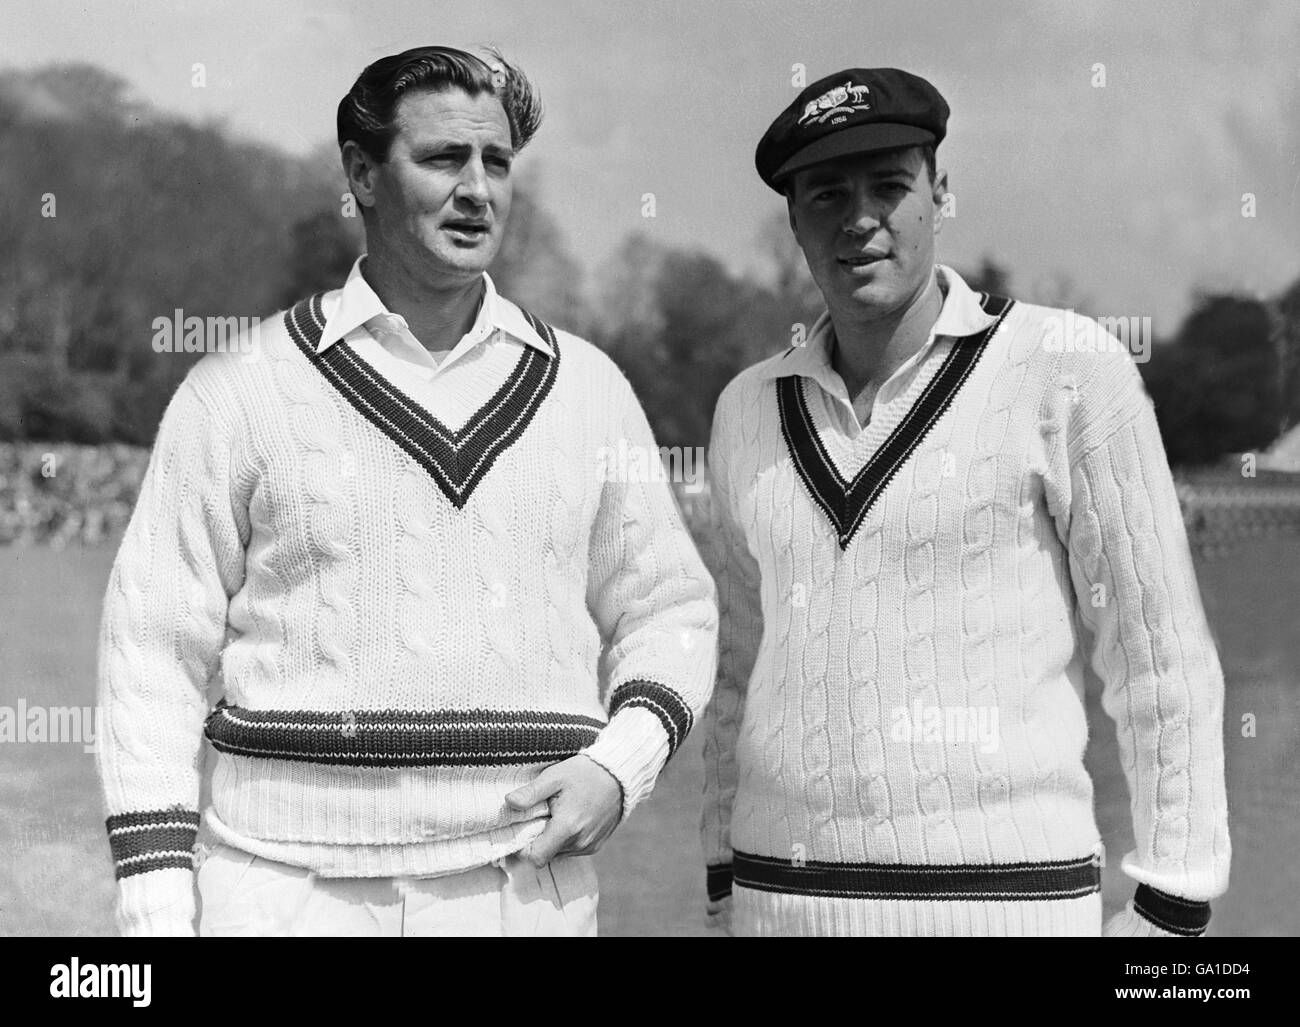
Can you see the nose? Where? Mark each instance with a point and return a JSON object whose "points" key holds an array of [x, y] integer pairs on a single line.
{"points": [[473, 185], [861, 217]]}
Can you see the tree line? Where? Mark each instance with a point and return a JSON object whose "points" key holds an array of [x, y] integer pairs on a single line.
{"points": [[117, 214]]}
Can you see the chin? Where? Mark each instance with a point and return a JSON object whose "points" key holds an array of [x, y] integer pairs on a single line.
{"points": [[465, 261], [875, 296]]}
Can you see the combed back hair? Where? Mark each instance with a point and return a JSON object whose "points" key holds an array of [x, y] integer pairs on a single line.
{"points": [[366, 114]]}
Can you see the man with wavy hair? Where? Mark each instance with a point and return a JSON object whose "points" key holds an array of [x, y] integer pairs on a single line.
{"points": [[385, 535]]}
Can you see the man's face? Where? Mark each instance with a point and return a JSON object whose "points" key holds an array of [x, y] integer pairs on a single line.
{"points": [[866, 225], [442, 197]]}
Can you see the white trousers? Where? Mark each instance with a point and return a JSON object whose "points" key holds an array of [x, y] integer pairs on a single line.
{"points": [[245, 895]]}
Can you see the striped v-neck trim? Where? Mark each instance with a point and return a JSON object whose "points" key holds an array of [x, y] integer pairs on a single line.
{"points": [[847, 503], [456, 460]]}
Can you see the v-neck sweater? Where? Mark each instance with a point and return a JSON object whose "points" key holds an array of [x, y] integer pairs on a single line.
{"points": [[895, 743], [403, 618]]}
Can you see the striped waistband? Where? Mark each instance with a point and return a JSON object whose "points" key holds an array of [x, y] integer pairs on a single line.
{"points": [[401, 738], [435, 738], [1057, 879]]}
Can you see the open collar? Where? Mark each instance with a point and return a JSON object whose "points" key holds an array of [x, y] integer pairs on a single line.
{"points": [[456, 459], [960, 316], [846, 502], [358, 303]]}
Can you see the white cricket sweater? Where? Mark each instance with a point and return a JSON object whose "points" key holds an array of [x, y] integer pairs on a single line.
{"points": [[405, 619], [895, 744]]}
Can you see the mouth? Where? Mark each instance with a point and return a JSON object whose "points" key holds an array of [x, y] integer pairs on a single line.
{"points": [[469, 231], [861, 261]]}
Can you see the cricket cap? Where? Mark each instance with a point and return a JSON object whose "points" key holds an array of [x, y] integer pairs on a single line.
{"points": [[859, 110]]}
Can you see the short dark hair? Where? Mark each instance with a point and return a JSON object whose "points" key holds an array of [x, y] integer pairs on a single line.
{"points": [[931, 160], [366, 114], [927, 153]]}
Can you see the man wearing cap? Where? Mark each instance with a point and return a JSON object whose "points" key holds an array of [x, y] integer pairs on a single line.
{"points": [[926, 520]]}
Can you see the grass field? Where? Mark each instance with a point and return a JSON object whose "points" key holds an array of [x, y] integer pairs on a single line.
{"points": [[56, 877]]}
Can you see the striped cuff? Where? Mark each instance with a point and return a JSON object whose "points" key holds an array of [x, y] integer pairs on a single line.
{"points": [[671, 709], [718, 881], [157, 840], [1183, 917]]}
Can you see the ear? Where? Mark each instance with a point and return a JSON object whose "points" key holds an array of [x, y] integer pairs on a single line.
{"points": [[939, 195], [789, 210], [360, 170]]}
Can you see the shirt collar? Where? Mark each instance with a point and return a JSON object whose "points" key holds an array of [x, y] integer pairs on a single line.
{"points": [[358, 303], [961, 315]]}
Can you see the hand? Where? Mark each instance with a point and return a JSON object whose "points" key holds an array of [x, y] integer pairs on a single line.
{"points": [[718, 917], [586, 803]]}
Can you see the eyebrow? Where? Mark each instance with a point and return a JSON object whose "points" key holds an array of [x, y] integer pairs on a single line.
{"points": [[458, 147], [893, 169], [826, 177]]}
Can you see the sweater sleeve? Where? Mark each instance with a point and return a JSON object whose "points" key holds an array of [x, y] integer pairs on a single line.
{"points": [[654, 604], [740, 629], [1151, 647], [163, 625]]}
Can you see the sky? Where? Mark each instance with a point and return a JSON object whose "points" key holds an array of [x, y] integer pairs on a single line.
{"points": [[1120, 187]]}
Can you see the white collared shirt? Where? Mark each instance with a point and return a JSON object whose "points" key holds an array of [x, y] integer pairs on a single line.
{"points": [[960, 315], [481, 360]]}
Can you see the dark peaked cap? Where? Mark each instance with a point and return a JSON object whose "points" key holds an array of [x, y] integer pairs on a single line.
{"points": [[859, 110]]}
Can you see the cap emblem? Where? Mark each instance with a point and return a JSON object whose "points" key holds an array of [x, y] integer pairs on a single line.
{"points": [[843, 99]]}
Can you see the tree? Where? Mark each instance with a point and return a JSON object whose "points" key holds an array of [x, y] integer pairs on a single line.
{"points": [[120, 215], [794, 288], [1287, 320], [324, 249], [990, 277], [681, 326], [1215, 385], [534, 267]]}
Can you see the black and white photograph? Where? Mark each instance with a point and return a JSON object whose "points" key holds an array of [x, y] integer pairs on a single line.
{"points": [[651, 469]]}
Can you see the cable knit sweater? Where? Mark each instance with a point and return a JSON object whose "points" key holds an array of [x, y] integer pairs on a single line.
{"points": [[895, 745], [406, 619]]}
